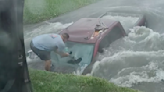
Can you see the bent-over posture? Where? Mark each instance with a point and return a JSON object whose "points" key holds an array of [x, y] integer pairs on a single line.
{"points": [[42, 46]]}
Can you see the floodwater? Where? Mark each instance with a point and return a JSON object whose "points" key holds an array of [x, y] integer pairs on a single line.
{"points": [[136, 61]]}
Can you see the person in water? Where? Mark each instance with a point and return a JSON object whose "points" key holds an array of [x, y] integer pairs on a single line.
{"points": [[42, 46]]}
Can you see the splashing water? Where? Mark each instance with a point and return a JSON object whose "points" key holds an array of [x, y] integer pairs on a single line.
{"points": [[126, 22], [134, 59], [48, 28], [128, 62]]}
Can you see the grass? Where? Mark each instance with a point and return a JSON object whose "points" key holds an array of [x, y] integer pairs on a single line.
{"points": [[36, 11], [43, 81]]}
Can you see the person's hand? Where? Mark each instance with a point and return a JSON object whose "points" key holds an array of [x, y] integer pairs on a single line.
{"points": [[67, 54], [64, 55]]}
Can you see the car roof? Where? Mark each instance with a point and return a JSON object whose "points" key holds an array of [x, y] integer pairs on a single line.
{"points": [[85, 27]]}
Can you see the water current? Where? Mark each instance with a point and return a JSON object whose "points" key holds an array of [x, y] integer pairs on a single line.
{"points": [[135, 61]]}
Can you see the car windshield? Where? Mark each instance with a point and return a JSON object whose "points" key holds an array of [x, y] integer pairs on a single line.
{"points": [[79, 50]]}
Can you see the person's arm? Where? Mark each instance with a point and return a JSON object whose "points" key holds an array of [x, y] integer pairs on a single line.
{"points": [[61, 53]]}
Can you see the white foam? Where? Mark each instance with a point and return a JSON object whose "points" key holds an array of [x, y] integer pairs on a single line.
{"points": [[153, 74], [49, 28], [136, 58], [80, 70], [126, 22]]}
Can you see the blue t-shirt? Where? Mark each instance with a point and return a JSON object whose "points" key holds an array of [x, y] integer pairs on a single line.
{"points": [[49, 42]]}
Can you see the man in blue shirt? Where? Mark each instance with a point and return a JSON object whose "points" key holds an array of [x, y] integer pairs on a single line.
{"points": [[42, 46]]}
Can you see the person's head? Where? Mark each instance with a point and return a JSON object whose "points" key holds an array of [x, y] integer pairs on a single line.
{"points": [[65, 36]]}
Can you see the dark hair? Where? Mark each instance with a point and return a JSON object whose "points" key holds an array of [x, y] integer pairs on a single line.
{"points": [[65, 35]]}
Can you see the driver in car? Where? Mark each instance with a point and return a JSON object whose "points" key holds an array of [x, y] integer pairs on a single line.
{"points": [[42, 46]]}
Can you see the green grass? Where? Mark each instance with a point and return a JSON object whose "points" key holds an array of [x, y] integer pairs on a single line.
{"points": [[36, 11], [43, 81]]}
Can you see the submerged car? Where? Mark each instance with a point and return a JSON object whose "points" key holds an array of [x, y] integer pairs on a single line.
{"points": [[89, 36]]}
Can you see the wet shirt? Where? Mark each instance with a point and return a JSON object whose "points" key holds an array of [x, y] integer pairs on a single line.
{"points": [[48, 42]]}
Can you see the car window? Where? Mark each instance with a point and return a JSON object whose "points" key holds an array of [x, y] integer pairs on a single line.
{"points": [[114, 34], [79, 50]]}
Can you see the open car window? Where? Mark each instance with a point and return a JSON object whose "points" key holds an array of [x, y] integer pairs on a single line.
{"points": [[79, 51]]}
